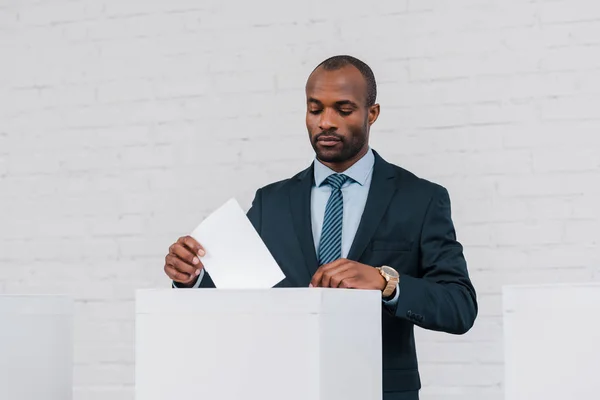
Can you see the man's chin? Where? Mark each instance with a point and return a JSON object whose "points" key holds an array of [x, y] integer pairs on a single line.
{"points": [[330, 155]]}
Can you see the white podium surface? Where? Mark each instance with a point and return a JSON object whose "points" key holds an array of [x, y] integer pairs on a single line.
{"points": [[36, 347], [271, 344], [552, 342]]}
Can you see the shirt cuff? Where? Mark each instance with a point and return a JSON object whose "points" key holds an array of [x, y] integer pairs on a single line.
{"points": [[196, 285], [393, 301]]}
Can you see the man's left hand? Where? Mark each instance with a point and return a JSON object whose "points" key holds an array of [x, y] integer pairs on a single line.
{"points": [[349, 274]]}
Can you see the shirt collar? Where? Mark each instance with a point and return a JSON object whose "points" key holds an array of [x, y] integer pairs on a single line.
{"points": [[359, 171]]}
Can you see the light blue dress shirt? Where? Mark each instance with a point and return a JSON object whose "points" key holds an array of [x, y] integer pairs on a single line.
{"points": [[354, 191]]}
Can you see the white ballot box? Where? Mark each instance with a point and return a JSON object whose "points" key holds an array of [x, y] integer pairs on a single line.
{"points": [[258, 344], [36, 347], [552, 342]]}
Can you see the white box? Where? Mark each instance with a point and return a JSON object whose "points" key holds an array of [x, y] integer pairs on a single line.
{"points": [[36, 347], [552, 342], [271, 344]]}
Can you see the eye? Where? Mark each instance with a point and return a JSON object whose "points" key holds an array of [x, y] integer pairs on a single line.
{"points": [[315, 112], [345, 113]]}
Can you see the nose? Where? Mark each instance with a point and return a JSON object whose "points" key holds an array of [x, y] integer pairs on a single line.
{"points": [[327, 120]]}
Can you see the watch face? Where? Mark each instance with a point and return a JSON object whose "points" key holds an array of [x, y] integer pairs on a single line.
{"points": [[390, 271]]}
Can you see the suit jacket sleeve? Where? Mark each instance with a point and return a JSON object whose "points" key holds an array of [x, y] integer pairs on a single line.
{"points": [[255, 216], [442, 298]]}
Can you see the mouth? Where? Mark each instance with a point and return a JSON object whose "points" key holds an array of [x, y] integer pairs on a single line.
{"points": [[328, 141]]}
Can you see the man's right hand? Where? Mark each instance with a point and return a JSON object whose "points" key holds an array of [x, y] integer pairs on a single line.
{"points": [[183, 264]]}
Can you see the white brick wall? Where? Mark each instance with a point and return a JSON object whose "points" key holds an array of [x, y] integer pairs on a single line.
{"points": [[124, 122]]}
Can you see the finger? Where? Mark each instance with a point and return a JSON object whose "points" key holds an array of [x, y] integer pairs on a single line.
{"points": [[331, 273], [186, 255], [182, 266], [349, 283], [318, 275], [341, 279], [193, 245], [177, 276]]}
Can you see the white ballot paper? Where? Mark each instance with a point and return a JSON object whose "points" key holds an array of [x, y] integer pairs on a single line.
{"points": [[236, 257]]}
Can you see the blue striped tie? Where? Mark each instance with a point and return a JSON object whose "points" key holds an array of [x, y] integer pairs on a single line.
{"points": [[330, 244]]}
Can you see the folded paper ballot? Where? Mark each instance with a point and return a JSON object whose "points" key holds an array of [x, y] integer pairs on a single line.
{"points": [[236, 257]]}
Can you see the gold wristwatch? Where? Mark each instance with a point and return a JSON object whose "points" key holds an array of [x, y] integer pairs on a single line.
{"points": [[392, 278]]}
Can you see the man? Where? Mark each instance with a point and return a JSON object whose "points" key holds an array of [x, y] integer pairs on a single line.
{"points": [[352, 220]]}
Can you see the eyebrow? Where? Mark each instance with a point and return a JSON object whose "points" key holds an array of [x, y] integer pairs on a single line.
{"points": [[337, 103]]}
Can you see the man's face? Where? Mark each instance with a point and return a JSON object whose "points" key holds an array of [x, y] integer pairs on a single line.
{"points": [[337, 115]]}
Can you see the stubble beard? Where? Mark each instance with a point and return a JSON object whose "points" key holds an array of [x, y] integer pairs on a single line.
{"points": [[349, 150]]}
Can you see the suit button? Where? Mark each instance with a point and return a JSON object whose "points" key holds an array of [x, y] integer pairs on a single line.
{"points": [[409, 314]]}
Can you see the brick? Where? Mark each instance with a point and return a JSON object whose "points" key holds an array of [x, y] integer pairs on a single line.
{"points": [[574, 108], [147, 247], [68, 247], [552, 208], [232, 83], [400, 25], [133, 7], [181, 87], [143, 26], [583, 233], [68, 95], [516, 233], [530, 85], [410, 94], [8, 19], [124, 91], [24, 99], [17, 164], [476, 235], [503, 113], [119, 226], [547, 184], [569, 256], [434, 117], [425, 5], [488, 210], [498, 162], [470, 188], [496, 16], [577, 11], [59, 12], [554, 160], [452, 67], [586, 207], [573, 33], [466, 139], [493, 258], [570, 58], [566, 134]]}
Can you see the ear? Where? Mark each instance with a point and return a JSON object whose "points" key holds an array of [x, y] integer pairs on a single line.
{"points": [[373, 113]]}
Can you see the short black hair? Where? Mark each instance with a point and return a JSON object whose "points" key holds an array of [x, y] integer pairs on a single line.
{"points": [[338, 62]]}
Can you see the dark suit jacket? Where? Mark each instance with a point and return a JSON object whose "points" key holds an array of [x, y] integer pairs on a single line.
{"points": [[407, 225]]}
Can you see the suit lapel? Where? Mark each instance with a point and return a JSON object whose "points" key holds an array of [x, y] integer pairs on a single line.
{"points": [[380, 194], [300, 207]]}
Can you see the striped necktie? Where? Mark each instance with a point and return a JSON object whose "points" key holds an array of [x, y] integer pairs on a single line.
{"points": [[330, 243]]}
